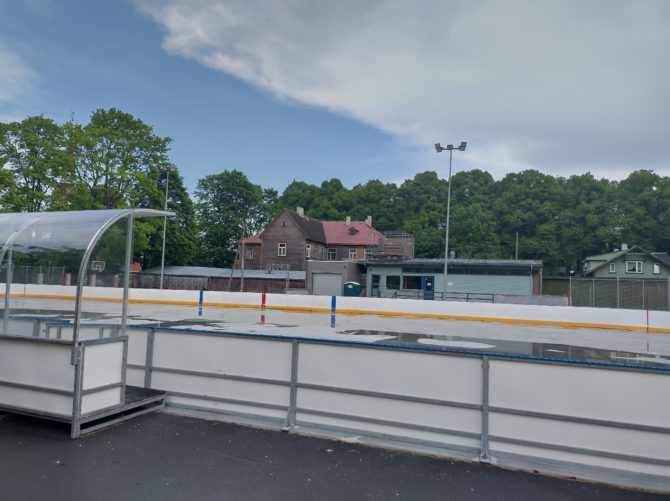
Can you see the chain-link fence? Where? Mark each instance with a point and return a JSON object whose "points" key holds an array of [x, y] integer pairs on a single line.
{"points": [[629, 293], [39, 275]]}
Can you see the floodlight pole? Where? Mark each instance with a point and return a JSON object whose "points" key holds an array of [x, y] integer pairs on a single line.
{"points": [[450, 148], [243, 228], [167, 185]]}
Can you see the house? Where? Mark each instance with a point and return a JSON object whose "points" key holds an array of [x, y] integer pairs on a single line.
{"points": [[629, 262], [469, 279], [292, 238]]}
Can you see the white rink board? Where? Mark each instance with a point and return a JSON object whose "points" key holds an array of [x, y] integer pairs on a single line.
{"points": [[590, 392], [37, 363], [359, 429], [222, 388], [424, 375], [36, 401], [423, 414], [100, 400], [225, 408], [223, 355], [103, 364]]}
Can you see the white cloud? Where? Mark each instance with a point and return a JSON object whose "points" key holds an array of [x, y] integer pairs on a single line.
{"points": [[562, 86], [15, 80]]}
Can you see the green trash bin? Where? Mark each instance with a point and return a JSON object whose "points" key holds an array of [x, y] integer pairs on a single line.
{"points": [[352, 289]]}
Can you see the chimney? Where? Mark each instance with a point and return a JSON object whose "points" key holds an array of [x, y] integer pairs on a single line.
{"points": [[624, 247], [368, 221], [300, 211], [348, 220]]}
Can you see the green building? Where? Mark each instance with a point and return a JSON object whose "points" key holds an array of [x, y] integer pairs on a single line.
{"points": [[633, 262], [470, 279]]}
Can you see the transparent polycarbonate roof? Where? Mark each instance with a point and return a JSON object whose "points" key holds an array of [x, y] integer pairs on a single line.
{"points": [[37, 232]]}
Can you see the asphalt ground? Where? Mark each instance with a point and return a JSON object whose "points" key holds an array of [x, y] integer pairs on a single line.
{"points": [[169, 457]]}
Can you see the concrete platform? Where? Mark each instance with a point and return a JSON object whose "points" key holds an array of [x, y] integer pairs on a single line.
{"points": [[165, 456]]}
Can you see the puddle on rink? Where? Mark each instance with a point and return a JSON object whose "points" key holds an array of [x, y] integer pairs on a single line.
{"points": [[502, 346]]}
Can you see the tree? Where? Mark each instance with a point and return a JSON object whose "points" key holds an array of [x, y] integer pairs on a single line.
{"points": [[224, 202], [181, 236], [115, 155], [423, 202], [34, 152]]}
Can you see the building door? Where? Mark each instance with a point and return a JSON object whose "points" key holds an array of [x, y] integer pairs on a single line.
{"points": [[327, 284], [428, 286], [374, 292]]}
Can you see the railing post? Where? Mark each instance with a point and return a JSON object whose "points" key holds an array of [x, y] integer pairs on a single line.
{"points": [[149, 358], [484, 456], [289, 422]]}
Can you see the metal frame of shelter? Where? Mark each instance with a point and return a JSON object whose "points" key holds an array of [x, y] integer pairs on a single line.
{"points": [[22, 390]]}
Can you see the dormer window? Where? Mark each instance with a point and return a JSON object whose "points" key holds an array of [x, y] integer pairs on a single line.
{"points": [[352, 231]]}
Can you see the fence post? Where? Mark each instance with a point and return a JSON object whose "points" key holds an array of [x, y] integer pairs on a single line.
{"points": [[569, 290], [149, 358], [643, 291], [484, 456], [618, 300], [289, 422]]}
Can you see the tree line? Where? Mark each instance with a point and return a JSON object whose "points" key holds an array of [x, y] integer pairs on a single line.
{"points": [[116, 160]]}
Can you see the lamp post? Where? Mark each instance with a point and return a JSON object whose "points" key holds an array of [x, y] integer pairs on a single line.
{"points": [[439, 149], [168, 169], [244, 231]]}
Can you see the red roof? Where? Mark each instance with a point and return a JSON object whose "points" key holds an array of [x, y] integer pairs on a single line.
{"points": [[253, 239], [354, 233]]}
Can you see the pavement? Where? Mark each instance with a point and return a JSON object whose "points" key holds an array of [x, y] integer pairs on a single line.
{"points": [[171, 457]]}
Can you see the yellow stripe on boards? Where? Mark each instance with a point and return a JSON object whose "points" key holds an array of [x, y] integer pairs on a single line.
{"points": [[315, 309]]}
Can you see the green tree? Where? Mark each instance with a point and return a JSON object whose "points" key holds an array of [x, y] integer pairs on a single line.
{"points": [[181, 236], [225, 201], [34, 152], [115, 156], [423, 202]]}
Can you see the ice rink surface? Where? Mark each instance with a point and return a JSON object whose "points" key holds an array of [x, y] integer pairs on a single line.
{"points": [[458, 334]]}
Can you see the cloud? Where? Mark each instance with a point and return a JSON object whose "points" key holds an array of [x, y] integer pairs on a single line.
{"points": [[563, 86], [15, 82]]}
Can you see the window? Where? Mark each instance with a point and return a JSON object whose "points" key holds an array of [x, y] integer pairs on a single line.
{"points": [[366, 254], [248, 253], [633, 266], [353, 253], [393, 282], [612, 267], [281, 249], [308, 251], [332, 254], [411, 282], [657, 269]]}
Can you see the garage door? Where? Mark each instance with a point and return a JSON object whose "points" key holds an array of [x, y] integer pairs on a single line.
{"points": [[327, 284]]}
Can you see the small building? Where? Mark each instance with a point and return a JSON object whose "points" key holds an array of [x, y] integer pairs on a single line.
{"points": [[479, 278], [327, 278], [629, 262]]}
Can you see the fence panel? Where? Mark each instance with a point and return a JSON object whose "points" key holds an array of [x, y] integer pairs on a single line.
{"points": [[627, 293]]}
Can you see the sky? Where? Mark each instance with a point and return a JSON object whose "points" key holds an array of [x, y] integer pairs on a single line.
{"points": [[289, 90]]}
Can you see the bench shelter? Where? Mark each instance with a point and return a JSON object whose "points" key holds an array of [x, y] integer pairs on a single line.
{"points": [[66, 362]]}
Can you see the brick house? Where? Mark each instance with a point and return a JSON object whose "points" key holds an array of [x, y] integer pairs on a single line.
{"points": [[293, 238]]}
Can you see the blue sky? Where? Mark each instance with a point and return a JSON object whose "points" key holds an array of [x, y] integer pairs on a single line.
{"points": [[307, 90]]}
